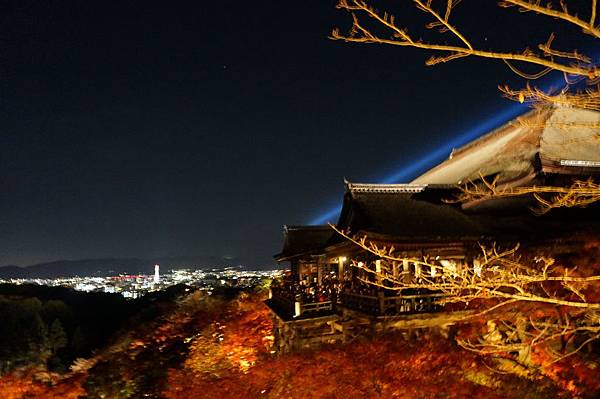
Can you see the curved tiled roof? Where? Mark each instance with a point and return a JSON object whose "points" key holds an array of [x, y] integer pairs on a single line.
{"points": [[423, 216], [301, 240], [557, 140], [405, 211]]}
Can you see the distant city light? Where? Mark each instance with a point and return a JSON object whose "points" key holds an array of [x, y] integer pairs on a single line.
{"points": [[135, 286]]}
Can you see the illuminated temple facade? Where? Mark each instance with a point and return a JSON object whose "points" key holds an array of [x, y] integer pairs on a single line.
{"points": [[326, 299]]}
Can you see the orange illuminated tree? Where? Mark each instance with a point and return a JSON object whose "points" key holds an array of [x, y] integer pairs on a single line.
{"points": [[524, 305], [370, 25], [579, 194]]}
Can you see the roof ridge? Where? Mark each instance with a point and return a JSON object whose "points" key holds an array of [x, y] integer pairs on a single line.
{"points": [[390, 187], [458, 166], [306, 227], [494, 132]]}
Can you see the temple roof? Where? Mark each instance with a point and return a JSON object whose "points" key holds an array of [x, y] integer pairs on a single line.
{"points": [[411, 213], [405, 210], [303, 240], [552, 140], [548, 146]]}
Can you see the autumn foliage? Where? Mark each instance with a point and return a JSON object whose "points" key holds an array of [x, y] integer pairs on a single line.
{"points": [[209, 347], [36, 383], [231, 359], [387, 367]]}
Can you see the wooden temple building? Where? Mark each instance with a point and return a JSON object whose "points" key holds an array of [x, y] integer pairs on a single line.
{"points": [[324, 299]]}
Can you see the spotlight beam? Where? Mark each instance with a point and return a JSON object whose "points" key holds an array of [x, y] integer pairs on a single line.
{"points": [[420, 164]]}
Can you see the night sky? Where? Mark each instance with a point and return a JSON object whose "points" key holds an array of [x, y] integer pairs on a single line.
{"points": [[145, 129]]}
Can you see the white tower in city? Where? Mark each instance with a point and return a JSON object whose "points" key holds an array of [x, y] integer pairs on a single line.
{"points": [[156, 274]]}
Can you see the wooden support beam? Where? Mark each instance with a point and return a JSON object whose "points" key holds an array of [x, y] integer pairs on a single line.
{"points": [[341, 261], [378, 271]]}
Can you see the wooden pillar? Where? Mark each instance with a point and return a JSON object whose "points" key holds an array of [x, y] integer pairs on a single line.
{"points": [[417, 270], [378, 271], [381, 299], [477, 267], [341, 261], [460, 264], [406, 277], [319, 273]]}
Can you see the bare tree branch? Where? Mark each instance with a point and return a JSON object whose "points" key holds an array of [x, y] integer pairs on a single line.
{"points": [[495, 279], [399, 36], [579, 194], [563, 14]]}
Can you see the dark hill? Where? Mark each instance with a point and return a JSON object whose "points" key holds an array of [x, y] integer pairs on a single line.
{"points": [[110, 266]]}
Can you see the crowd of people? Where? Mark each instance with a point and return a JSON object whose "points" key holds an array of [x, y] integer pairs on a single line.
{"points": [[308, 290]]}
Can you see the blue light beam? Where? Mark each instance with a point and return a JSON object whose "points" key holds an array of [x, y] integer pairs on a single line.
{"points": [[421, 164]]}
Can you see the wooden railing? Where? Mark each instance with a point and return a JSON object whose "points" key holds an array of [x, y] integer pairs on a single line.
{"points": [[294, 305], [379, 305], [382, 305], [363, 303], [411, 304], [316, 307]]}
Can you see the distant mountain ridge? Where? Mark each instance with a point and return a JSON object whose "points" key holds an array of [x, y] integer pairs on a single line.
{"points": [[112, 266]]}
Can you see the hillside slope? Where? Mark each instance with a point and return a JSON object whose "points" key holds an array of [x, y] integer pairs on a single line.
{"points": [[212, 347]]}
